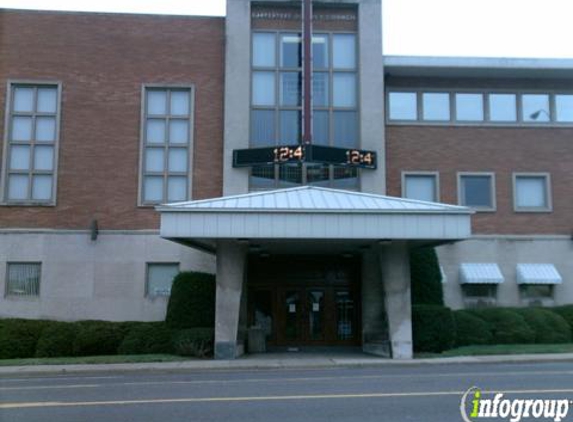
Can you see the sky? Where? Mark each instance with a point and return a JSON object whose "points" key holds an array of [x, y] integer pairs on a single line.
{"points": [[481, 28]]}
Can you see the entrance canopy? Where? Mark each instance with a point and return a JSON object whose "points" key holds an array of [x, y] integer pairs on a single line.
{"points": [[313, 213]]}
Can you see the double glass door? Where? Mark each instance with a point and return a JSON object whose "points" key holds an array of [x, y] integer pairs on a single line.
{"points": [[316, 316]]}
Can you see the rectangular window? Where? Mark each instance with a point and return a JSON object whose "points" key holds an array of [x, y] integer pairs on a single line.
{"points": [[479, 295], [477, 190], [536, 291], [23, 279], [436, 106], [403, 106], [531, 192], [420, 186], [469, 107], [535, 108], [564, 108], [502, 108], [167, 132], [160, 278], [31, 145]]}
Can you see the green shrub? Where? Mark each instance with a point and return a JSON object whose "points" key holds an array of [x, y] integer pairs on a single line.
{"points": [[197, 342], [507, 326], [426, 277], [471, 330], [57, 340], [433, 328], [147, 337], [97, 338], [192, 301], [566, 312], [18, 337], [548, 326]]}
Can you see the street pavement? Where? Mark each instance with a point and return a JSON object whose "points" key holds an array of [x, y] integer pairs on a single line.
{"points": [[393, 393]]}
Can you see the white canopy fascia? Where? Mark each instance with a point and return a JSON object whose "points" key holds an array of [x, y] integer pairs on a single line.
{"points": [[314, 213]]}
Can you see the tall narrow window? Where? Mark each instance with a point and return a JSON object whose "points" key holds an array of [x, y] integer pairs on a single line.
{"points": [[32, 142], [276, 104], [167, 131]]}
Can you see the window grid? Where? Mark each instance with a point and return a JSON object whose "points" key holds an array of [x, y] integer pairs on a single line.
{"points": [[315, 174], [23, 279], [34, 143], [167, 147], [558, 110]]}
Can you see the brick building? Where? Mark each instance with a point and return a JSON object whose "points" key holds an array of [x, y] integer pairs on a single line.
{"points": [[109, 116]]}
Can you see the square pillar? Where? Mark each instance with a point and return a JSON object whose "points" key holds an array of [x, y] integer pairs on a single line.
{"points": [[231, 258], [395, 268], [374, 321]]}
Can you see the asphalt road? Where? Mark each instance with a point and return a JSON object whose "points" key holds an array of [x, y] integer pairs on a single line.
{"points": [[394, 394]]}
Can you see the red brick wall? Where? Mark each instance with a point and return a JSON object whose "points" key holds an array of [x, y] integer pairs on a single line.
{"points": [[102, 60], [501, 150]]}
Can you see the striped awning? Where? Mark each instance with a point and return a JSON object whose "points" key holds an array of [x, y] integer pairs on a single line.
{"points": [[480, 273], [538, 274]]}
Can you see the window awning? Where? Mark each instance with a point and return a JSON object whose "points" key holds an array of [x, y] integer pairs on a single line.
{"points": [[538, 274], [481, 273]]}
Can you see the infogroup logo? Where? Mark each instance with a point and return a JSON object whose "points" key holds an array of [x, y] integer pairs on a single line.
{"points": [[475, 406]]}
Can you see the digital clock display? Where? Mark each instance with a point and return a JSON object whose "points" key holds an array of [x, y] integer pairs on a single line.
{"points": [[304, 154]]}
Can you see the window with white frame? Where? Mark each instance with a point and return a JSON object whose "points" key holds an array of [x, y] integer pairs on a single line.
{"points": [[23, 279], [31, 143], [531, 192], [477, 190], [166, 137], [160, 278], [420, 186]]}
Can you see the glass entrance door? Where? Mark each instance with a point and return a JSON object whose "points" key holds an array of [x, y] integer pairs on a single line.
{"points": [[317, 316]]}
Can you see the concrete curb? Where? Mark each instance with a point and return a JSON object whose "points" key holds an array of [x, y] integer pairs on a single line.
{"points": [[290, 362]]}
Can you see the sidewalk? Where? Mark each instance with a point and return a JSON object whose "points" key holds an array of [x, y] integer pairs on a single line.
{"points": [[280, 361]]}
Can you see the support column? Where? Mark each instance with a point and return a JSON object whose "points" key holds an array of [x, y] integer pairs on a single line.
{"points": [[374, 321], [395, 268], [231, 258]]}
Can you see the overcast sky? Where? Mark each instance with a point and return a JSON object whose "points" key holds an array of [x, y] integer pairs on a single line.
{"points": [[494, 28]]}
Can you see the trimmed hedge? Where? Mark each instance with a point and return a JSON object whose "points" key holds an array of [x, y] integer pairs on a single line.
{"points": [[433, 328], [548, 326], [145, 338], [197, 342], [426, 277], [507, 326], [192, 301], [97, 338], [566, 312], [18, 337], [57, 340], [471, 330]]}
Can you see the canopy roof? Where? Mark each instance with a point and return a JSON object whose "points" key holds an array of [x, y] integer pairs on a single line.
{"points": [[313, 213]]}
